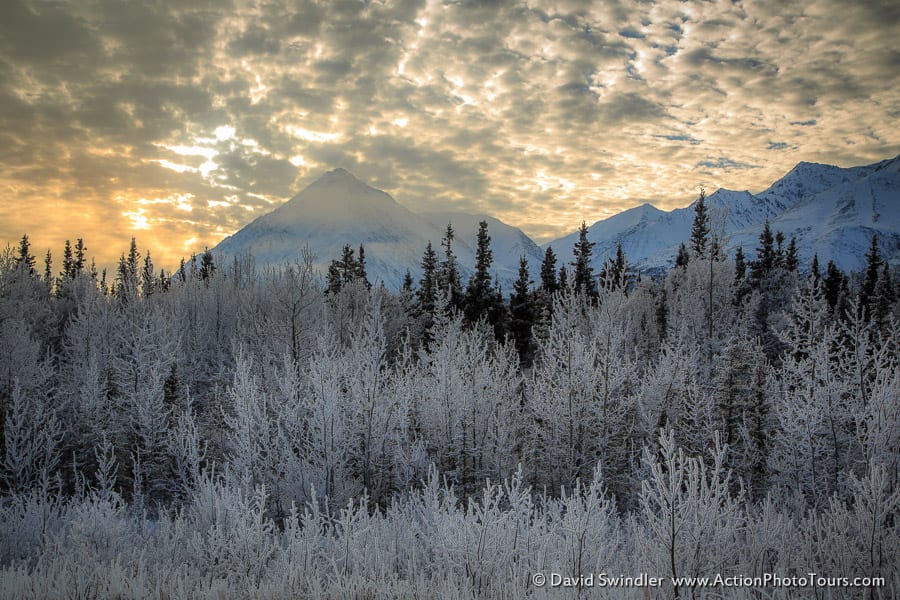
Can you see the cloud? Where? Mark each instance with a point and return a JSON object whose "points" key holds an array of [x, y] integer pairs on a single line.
{"points": [[543, 115]]}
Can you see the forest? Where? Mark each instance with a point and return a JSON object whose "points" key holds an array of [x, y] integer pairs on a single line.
{"points": [[220, 432]]}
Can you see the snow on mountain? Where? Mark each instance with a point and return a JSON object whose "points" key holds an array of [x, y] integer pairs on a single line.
{"points": [[833, 212], [339, 209]]}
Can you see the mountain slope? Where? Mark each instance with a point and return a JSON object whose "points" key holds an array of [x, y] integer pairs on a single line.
{"points": [[339, 209], [832, 211]]}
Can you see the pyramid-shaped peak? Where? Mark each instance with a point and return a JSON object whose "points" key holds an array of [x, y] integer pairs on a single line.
{"points": [[339, 174]]}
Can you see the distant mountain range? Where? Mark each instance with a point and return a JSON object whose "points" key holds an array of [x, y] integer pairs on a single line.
{"points": [[832, 212]]}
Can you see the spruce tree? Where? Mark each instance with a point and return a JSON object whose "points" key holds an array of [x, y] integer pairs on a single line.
{"points": [[682, 258], [207, 265], [449, 279], [884, 297], [148, 277], [700, 227], [765, 255], [740, 265], [25, 258], [48, 269], [359, 269], [791, 260], [583, 276], [426, 295], [814, 273], [549, 284], [68, 271], [79, 261], [479, 292], [522, 312], [835, 286], [870, 280]]}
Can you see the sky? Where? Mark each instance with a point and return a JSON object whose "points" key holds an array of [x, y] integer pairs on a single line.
{"points": [[180, 122]]}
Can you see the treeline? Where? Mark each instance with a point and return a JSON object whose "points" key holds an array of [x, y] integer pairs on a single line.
{"points": [[742, 403]]}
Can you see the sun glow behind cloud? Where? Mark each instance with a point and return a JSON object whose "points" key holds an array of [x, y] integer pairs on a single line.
{"points": [[182, 124]]}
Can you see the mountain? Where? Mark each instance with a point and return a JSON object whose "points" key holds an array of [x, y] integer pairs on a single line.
{"points": [[340, 209], [832, 212]]}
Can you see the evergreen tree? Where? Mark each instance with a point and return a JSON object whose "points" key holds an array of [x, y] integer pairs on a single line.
{"points": [[563, 285], [549, 284], [700, 227], [68, 268], [407, 287], [523, 312], [835, 287], [791, 260], [662, 313], [483, 297], [80, 258], [884, 296], [779, 250], [614, 275], [182, 274], [765, 255], [870, 280], [449, 279], [207, 265], [148, 277], [360, 269], [814, 273], [583, 276], [427, 292], [25, 259], [682, 258], [126, 286], [740, 265], [48, 269]]}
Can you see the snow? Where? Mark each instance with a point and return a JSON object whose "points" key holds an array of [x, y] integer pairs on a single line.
{"points": [[832, 211]]}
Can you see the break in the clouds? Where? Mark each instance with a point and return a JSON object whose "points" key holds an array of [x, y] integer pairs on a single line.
{"points": [[179, 122]]}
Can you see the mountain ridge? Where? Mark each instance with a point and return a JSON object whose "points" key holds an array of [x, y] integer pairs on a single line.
{"points": [[832, 211]]}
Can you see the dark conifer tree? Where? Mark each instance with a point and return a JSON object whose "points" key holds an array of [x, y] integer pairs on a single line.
{"points": [[682, 258], [740, 264], [426, 295], [563, 285], [25, 258], [662, 312], [614, 273], [549, 284], [870, 280], [207, 265], [80, 258], [884, 296], [68, 262], [449, 279], [765, 255], [48, 269], [779, 250], [523, 313], [407, 287], [791, 260], [835, 286], [182, 274], [814, 273], [359, 269], [148, 277], [583, 276], [700, 227], [479, 288]]}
